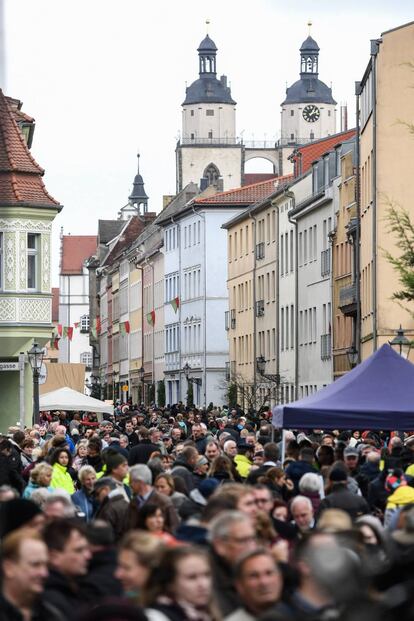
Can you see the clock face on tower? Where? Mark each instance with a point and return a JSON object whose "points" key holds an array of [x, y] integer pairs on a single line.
{"points": [[311, 113]]}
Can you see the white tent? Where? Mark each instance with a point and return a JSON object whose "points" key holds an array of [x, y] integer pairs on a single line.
{"points": [[68, 399]]}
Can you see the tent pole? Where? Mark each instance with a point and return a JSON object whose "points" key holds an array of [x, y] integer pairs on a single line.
{"points": [[283, 451]]}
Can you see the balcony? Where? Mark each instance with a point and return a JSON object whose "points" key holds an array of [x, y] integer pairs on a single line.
{"points": [[348, 300], [214, 140], [326, 346], [260, 251], [325, 262], [260, 308]]}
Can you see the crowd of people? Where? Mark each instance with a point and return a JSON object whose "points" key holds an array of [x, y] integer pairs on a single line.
{"points": [[181, 514]]}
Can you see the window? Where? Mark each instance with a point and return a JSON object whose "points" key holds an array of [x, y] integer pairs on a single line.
{"points": [[292, 113], [210, 134], [192, 136], [212, 174], [209, 112], [292, 136], [192, 112], [84, 323], [86, 359], [33, 243]]}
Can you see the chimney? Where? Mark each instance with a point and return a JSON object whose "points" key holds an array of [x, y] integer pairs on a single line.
{"points": [[344, 117]]}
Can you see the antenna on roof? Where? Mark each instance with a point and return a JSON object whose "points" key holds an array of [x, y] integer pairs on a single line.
{"points": [[309, 26], [138, 156], [207, 24]]}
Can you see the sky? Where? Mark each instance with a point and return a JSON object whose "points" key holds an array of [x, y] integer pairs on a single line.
{"points": [[106, 79]]}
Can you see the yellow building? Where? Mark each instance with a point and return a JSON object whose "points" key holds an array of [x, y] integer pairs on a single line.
{"points": [[386, 101]]}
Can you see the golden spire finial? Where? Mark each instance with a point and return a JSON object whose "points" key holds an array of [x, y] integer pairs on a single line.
{"points": [[207, 24], [310, 26]]}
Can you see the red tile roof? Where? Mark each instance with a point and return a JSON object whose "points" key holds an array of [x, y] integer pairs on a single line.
{"points": [[250, 178], [55, 304], [20, 175], [303, 157], [133, 229], [75, 250], [247, 194]]}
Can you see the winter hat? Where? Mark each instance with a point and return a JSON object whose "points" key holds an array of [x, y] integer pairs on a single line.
{"points": [[351, 451], [338, 475], [208, 486], [113, 459], [16, 513], [395, 480]]}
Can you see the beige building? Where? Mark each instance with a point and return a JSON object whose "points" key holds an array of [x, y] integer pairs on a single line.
{"points": [[252, 287], [386, 102]]}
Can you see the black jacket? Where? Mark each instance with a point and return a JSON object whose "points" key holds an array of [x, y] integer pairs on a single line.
{"points": [[41, 612], [226, 596], [63, 594], [141, 453], [342, 498], [100, 582]]}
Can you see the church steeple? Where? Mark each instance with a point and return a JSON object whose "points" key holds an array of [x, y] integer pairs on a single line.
{"points": [[138, 200], [309, 56], [207, 51]]}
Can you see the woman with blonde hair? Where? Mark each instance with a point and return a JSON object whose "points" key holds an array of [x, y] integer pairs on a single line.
{"points": [[40, 477], [139, 554]]}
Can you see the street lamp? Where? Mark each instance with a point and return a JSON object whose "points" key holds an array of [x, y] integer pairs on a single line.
{"points": [[141, 373], [352, 355], [190, 380], [35, 355], [401, 341]]}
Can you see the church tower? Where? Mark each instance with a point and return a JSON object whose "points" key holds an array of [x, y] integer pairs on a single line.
{"points": [[137, 204], [208, 152], [308, 111]]}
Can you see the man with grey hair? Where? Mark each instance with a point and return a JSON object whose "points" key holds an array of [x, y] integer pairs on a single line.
{"points": [[231, 534], [57, 506], [302, 512], [143, 492]]}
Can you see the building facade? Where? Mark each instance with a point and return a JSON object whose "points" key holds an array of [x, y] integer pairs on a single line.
{"points": [[26, 215]]}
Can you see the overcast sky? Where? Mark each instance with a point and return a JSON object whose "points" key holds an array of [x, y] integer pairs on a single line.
{"points": [[104, 79]]}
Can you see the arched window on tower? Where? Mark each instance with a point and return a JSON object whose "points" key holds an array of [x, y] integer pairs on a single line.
{"points": [[212, 174]]}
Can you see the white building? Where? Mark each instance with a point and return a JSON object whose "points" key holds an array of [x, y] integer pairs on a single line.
{"points": [[195, 249], [315, 221], [287, 274], [74, 299], [308, 111]]}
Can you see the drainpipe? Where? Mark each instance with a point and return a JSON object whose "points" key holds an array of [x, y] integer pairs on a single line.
{"points": [[151, 265], [254, 304], [179, 306], [203, 218], [277, 277], [357, 256], [374, 51], [295, 224]]}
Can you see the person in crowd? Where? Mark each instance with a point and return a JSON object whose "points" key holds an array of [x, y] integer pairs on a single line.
{"points": [[304, 464], [101, 582], [140, 477], [259, 583], [83, 499], [165, 484], [24, 570], [112, 506], [181, 587], [117, 469], [301, 509], [142, 451], [94, 453], [61, 460], [8, 493], [311, 485], [57, 506], [81, 455], [10, 466], [231, 534], [40, 477], [221, 468], [212, 451], [184, 466], [139, 553], [69, 556], [271, 456], [339, 497], [17, 513], [151, 518], [244, 458]]}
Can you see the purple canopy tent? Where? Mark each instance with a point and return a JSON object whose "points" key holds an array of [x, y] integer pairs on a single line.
{"points": [[377, 394]]}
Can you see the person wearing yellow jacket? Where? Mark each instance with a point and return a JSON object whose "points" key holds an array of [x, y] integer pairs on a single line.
{"points": [[61, 460], [244, 458], [401, 495]]}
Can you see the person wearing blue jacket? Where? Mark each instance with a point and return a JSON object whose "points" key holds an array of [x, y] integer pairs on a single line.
{"points": [[83, 499]]}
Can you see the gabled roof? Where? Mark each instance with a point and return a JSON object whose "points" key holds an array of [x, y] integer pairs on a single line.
{"points": [[132, 229], [20, 175], [178, 203], [303, 157], [108, 229], [246, 195], [75, 250]]}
